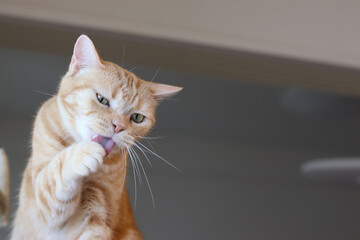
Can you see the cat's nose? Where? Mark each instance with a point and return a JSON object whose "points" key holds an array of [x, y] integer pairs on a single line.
{"points": [[118, 126]]}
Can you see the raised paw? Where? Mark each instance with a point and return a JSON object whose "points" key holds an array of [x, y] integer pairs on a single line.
{"points": [[86, 158]]}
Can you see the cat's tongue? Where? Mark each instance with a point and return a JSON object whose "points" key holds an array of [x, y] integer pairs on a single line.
{"points": [[105, 142]]}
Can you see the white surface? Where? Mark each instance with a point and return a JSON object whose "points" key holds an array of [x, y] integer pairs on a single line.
{"points": [[323, 30]]}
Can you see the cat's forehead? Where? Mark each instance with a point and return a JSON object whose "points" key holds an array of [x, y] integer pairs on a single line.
{"points": [[124, 84], [124, 87]]}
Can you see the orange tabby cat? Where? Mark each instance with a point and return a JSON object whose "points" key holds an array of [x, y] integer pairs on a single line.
{"points": [[74, 183]]}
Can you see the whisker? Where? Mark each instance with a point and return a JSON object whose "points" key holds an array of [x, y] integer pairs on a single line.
{"points": [[147, 137], [154, 138], [139, 157], [137, 169], [132, 164], [155, 154], [138, 147], [47, 94], [151, 142], [152, 79], [170, 99], [132, 69], [148, 183], [157, 71]]}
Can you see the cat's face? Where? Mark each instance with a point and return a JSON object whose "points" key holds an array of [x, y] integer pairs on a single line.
{"points": [[101, 98]]}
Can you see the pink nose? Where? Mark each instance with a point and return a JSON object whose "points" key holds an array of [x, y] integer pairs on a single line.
{"points": [[118, 127]]}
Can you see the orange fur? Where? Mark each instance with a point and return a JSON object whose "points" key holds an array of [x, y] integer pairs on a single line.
{"points": [[70, 188]]}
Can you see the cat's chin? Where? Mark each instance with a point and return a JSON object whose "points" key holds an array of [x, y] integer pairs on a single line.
{"points": [[106, 142]]}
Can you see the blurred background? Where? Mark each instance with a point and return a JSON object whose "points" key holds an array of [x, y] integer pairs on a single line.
{"points": [[268, 86]]}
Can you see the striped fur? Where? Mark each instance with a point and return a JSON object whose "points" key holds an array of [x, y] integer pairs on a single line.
{"points": [[70, 189]]}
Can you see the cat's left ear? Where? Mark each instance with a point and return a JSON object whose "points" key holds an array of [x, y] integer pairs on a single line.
{"points": [[84, 55], [161, 91]]}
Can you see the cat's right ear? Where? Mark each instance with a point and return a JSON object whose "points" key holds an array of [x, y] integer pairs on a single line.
{"points": [[84, 55]]}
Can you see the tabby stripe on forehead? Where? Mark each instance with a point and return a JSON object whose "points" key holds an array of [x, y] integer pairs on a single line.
{"points": [[115, 92]]}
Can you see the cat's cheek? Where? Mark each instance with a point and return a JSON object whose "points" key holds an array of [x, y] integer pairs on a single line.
{"points": [[83, 131], [141, 130]]}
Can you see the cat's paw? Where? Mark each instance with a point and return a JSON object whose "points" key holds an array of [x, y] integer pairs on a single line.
{"points": [[87, 158]]}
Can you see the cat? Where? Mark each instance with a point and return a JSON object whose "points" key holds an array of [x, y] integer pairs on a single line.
{"points": [[73, 186]]}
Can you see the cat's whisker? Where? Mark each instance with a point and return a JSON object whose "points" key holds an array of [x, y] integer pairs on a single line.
{"points": [[157, 71], [149, 141], [169, 99], [155, 154], [152, 79], [148, 137], [132, 164], [138, 147], [137, 164], [47, 94], [147, 181], [137, 169], [133, 68], [136, 155]]}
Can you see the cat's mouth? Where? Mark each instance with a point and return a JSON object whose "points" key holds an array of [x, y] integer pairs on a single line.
{"points": [[106, 142]]}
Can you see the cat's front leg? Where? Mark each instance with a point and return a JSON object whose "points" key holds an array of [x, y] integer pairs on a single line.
{"points": [[58, 185], [96, 232]]}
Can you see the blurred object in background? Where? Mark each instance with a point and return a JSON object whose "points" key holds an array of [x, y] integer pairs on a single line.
{"points": [[310, 104], [337, 169], [4, 189]]}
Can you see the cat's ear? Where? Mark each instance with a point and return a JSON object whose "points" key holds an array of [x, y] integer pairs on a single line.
{"points": [[161, 91], [84, 55]]}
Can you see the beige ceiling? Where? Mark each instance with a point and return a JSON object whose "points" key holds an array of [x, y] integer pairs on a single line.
{"points": [[322, 30], [311, 44]]}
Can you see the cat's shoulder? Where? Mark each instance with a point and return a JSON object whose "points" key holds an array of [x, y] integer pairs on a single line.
{"points": [[48, 107]]}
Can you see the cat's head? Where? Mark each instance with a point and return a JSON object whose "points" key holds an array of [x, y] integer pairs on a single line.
{"points": [[101, 99]]}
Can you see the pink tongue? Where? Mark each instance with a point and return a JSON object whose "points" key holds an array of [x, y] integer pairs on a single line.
{"points": [[105, 142]]}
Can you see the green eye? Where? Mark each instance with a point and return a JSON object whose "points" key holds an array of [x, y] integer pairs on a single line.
{"points": [[102, 100], [137, 117]]}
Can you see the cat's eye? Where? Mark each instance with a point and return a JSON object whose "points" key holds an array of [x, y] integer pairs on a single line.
{"points": [[137, 117], [102, 100]]}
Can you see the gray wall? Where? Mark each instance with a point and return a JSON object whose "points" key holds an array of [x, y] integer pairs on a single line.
{"points": [[238, 145]]}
